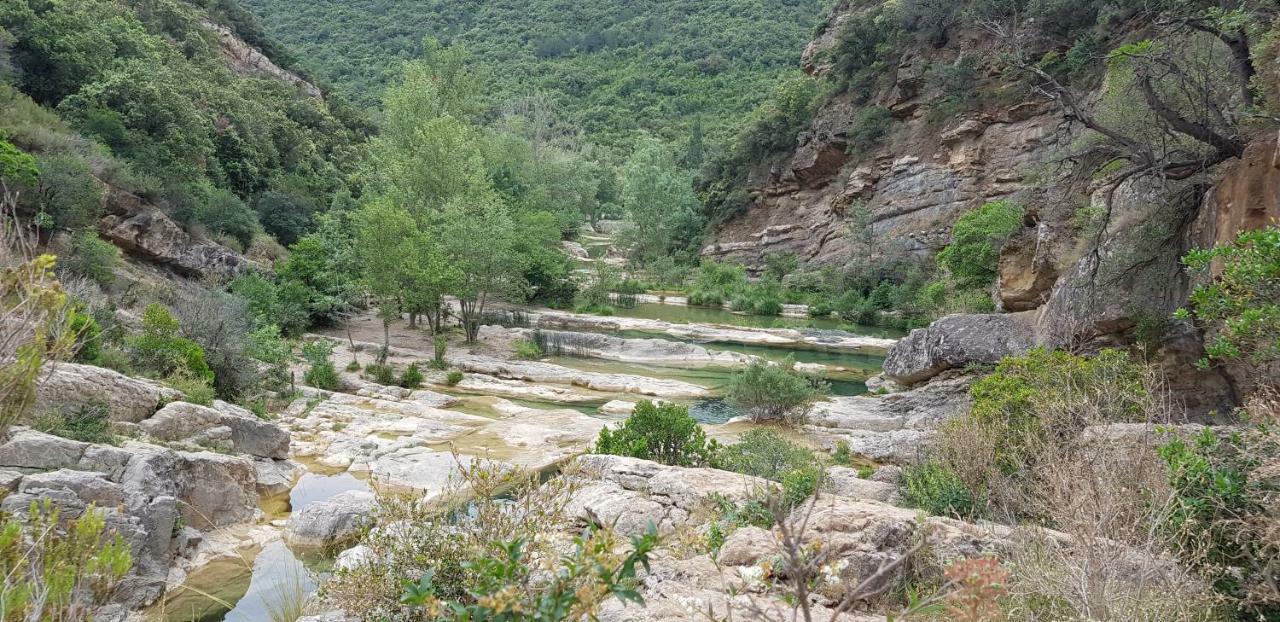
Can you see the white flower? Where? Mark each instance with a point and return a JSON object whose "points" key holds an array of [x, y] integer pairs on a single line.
{"points": [[691, 605], [831, 572], [752, 576]]}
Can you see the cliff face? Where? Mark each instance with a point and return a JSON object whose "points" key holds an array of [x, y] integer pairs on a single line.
{"points": [[1093, 260], [246, 59]]}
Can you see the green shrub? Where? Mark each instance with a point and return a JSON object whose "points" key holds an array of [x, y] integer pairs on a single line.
{"points": [[321, 373], [934, 488], [1029, 410], [412, 377], [353, 366], [1243, 301], [976, 239], [842, 456], [767, 391], [195, 389], [800, 484], [91, 257], [867, 130], [90, 423], [267, 346], [1218, 520], [440, 346], [527, 349], [764, 453], [665, 434], [160, 352], [88, 335], [453, 378], [717, 283], [56, 568], [381, 374]]}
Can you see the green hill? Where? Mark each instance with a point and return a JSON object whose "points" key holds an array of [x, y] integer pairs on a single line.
{"points": [[611, 67]]}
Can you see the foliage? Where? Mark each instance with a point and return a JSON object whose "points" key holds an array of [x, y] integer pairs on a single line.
{"points": [[1027, 415], [1243, 302], [268, 304], [265, 344], [716, 283], [59, 570], [160, 351], [528, 349], [935, 489], [663, 433], [440, 346], [976, 240], [453, 378], [320, 373], [843, 456], [766, 391], [1217, 522], [91, 423], [667, 68], [867, 130], [16, 166], [764, 453], [454, 539], [219, 323], [381, 374], [658, 198], [148, 83], [92, 257], [194, 389], [589, 575], [33, 328], [411, 378]]}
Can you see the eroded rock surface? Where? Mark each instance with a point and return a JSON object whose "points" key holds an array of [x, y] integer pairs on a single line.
{"points": [[955, 341], [70, 387]]}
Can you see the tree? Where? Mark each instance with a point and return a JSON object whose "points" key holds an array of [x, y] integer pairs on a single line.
{"points": [[401, 266], [658, 198], [479, 238]]}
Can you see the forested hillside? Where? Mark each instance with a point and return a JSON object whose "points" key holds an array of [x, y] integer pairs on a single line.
{"points": [[657, 65], [161, 100]]}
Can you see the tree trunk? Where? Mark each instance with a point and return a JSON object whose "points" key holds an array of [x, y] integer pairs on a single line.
{"points": [[413, 319], [386, 341]]}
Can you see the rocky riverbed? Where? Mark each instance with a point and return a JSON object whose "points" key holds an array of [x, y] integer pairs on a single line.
{"points": [[223, 507]]}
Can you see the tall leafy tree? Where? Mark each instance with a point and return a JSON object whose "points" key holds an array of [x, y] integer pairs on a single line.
{"points": [[480, 240], [658, 198]]}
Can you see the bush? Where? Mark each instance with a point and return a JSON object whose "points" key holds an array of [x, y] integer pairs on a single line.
{"points": [[92, 257], [1243, 303], [453, 378], [219, 323], [766, 391], [321, 373], [935, 489], [56, 569], [867, 130], [455, 540], [527, 349], [716, 283], [194, 389], [800, 484], [1025, 419], [664, 433], [412, 377], [843, 456], [1218, 522], [160, 352], [380, 373], [90, 423], [267, 346], [976, 239], [764, 453], [440, 345]]}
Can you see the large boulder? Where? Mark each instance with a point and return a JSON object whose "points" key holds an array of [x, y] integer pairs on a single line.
{"points": [[632, 493], [69, 387], [202, 425], [892, 427], [145, 492], [955, 341], [146, 231], [325, 523]]}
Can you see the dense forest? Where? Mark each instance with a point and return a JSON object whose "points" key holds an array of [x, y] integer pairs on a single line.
{"points": [[656, 65]]}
